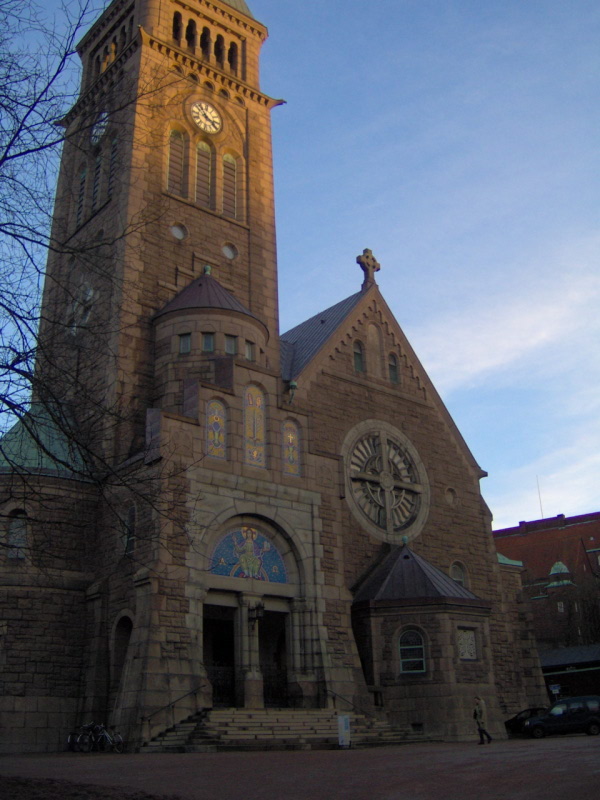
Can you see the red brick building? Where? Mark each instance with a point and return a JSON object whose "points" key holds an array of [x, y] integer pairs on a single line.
{"points": [[561, 578]]}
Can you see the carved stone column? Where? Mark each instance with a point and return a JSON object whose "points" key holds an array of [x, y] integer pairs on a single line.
{"points": [[251, 609]]}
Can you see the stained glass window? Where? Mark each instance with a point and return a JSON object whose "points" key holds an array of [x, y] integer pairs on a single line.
{"points": [[216, 430], [246, 553], [291, 448], [254, 426]]}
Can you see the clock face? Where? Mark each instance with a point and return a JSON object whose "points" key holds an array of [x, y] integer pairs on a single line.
{"points": [[206, 117], [99, 127]]}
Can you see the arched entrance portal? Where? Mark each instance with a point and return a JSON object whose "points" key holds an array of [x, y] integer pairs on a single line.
{"points": [[246, 652], [253, 620]]}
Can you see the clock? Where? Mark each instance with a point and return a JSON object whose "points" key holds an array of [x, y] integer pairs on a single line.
{"points": [[99, 127], [206, 117]]}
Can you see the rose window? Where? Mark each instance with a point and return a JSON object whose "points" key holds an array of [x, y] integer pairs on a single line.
{"points": [[385, 482]]}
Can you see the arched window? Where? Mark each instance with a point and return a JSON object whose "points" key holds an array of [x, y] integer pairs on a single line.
{"points": [[17, 535], [112, 167], [359, 356], [177, 26], [190, 34], [290, 446], [176, 179], [81, 196], [205, 43], [393, 373], [412, 652], [96, 182], [232, 57], [375, 350], [229, 186], [203, 175], [220, 50], [458, 573], [216, 430], [130, 530], [254, 427]]}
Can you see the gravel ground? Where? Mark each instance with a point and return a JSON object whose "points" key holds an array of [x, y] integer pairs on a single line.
{"points": [[26, 789]]}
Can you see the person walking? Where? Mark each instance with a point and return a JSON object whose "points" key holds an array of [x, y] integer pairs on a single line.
{"points": [[480, 717]]}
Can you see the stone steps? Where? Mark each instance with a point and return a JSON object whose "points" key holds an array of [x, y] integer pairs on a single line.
{"points": [[266, 729]]}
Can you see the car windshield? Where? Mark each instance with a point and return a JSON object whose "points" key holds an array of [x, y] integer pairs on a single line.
{"points": [[558, 709]]}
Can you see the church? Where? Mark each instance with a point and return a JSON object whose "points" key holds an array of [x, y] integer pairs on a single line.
{"points": [[200, 513]]}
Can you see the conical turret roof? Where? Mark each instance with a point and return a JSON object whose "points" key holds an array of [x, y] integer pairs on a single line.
{"points": [[403, 575], [205, 293]]}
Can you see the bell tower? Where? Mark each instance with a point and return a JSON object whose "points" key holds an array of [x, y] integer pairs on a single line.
{"points": [[167, 169]]}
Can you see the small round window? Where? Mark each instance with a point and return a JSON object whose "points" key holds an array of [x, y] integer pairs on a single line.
{"points": [[230, 251], [180, 232]]}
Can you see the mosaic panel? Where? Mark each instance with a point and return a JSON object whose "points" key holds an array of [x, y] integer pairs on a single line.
{"points": [[247, 553]]}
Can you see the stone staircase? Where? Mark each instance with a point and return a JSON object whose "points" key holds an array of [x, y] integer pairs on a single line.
{"points": [[272, 729]]}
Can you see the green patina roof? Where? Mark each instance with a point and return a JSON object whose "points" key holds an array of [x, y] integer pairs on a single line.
{"points": [[559, 569], [239, 5], [38, 443], [507, 562]]}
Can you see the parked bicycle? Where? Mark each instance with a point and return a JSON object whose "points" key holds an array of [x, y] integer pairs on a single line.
{"points": [[95, 736]]}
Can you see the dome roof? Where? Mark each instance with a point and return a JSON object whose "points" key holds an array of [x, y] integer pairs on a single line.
{"points": [[559, 569], [239, 5]]}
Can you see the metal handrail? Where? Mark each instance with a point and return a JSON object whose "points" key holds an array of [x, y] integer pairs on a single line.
{"points": [[171, 704], [347, 700]]}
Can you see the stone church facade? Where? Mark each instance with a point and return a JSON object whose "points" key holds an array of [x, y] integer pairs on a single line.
{"points": [[197, 511]]}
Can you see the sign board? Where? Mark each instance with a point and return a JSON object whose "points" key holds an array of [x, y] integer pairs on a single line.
{"points": [[555, 688], [343, 730]]}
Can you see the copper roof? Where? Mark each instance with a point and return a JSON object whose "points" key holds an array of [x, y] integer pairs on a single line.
{"points": [[205, 293], [43, 441], [239, 5]]}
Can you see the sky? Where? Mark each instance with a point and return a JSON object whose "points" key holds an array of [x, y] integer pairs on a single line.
{"points": [[460, 141]]}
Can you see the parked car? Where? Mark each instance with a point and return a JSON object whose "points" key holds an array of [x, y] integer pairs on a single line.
{"points": [[514, 726], [571, 715]]}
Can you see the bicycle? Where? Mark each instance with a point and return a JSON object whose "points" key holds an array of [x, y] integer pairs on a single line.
{"points": [[95, 736]]}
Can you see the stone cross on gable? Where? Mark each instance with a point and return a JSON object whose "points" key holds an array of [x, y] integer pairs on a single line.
{"points": [[369, 266]]}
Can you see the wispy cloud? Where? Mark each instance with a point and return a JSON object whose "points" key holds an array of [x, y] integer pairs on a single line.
{"points": [[533, 330], [567, 477]]}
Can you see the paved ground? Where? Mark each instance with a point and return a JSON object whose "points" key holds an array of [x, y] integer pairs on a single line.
{"points": [[551, 769]]}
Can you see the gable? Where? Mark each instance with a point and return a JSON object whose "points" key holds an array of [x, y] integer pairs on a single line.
{"points": [[324, 345]]}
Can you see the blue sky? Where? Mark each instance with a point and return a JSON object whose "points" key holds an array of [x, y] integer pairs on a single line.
{"points": [[460, 141]]}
